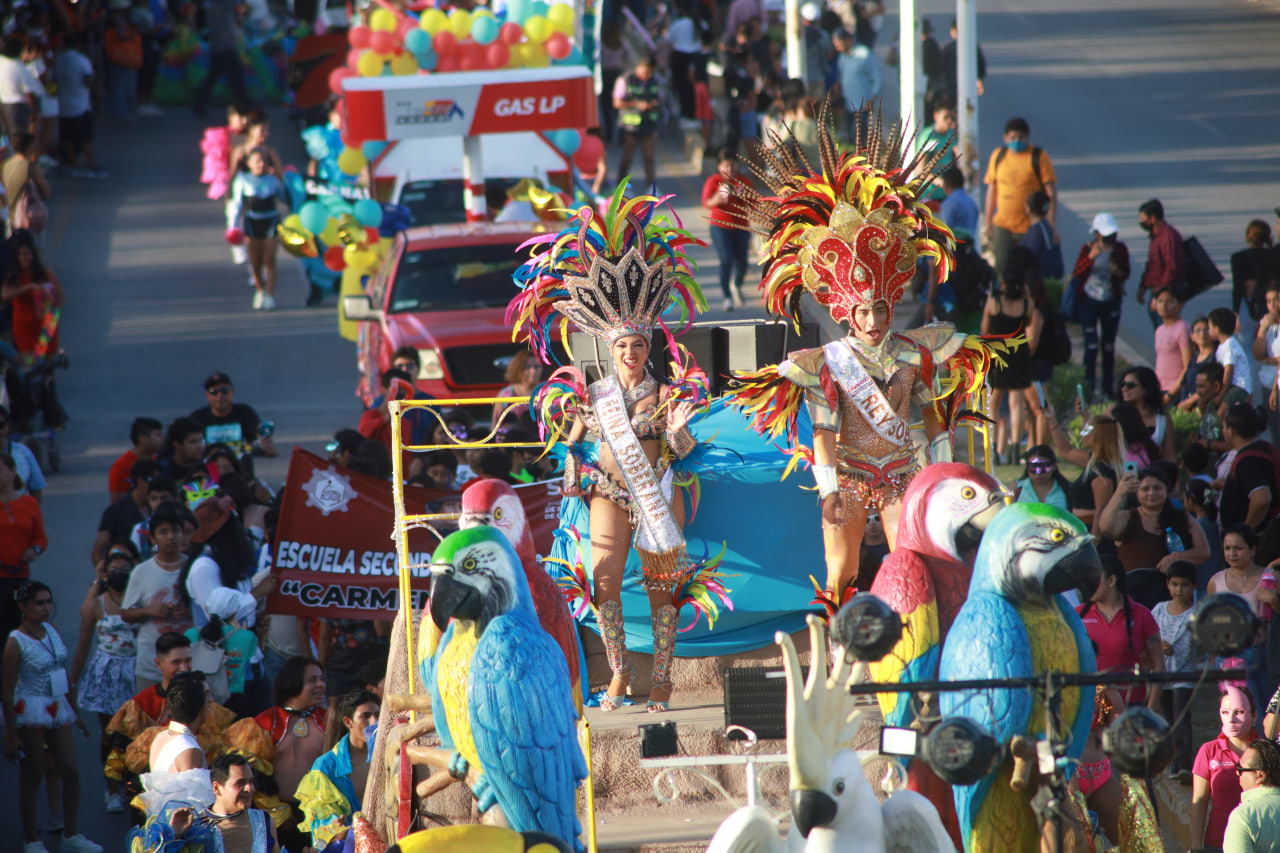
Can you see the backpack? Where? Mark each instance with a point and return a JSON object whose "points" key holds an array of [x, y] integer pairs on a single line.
{"points": [[972, 278], [1055, 343], [211, 660], [1035, 161], [1271, 457]]}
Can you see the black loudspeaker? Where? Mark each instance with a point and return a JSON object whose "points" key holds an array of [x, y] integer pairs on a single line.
{"points": [[658, 740], [756, 698]]}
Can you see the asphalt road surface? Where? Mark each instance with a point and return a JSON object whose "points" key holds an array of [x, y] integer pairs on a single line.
{"points": [[1133, 99]]}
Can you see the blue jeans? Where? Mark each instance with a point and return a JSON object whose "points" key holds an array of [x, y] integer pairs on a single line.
{"points": [[272, 661], [731, 247], [122, 86], [1092, 314]]}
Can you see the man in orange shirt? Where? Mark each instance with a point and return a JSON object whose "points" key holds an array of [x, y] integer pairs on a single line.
{"points": [[147, 435], [1016, 170]]}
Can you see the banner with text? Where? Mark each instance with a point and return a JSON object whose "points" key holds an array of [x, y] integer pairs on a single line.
{"points": [[334, 552]]}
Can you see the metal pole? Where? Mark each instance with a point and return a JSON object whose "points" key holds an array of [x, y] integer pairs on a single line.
{"points": [[795, 41], [473, 176], [907, 62], [967, 94]]}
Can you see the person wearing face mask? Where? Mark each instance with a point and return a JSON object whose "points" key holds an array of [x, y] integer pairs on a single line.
{"points": [[108, 681], [1215, 788], [1016, 170], [1166, 256]]}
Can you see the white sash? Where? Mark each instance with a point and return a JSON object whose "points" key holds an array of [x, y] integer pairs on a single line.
{"points": [[657, 531], [866, 396]]}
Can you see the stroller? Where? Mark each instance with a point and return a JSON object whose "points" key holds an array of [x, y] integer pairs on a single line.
{"points": [[30, 394]]}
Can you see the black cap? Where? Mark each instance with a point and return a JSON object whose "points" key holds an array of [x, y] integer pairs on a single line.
{"points": [[345, 439], [218, 378]]}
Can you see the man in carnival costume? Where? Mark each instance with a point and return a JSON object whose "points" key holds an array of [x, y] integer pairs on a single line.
{"points": [[613, 275], [850, 236]]}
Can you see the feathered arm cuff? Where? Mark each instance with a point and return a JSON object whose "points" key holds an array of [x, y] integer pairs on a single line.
{"points": [[961, 377], [769, 400]]}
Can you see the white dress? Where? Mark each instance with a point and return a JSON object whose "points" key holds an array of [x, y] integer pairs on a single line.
{"points": [[166, 788]]}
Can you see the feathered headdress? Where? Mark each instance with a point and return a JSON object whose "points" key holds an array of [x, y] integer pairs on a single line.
{"points": [[849, 233], [612, 274]]}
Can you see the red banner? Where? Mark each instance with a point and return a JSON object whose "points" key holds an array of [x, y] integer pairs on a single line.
{"points": [[334, 552]]}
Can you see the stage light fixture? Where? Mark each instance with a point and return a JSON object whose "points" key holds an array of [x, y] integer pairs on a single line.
{"points": [[1138, 742], [1224, 624], [897, 741], [960, 751], [659, 740], [867, 628]]}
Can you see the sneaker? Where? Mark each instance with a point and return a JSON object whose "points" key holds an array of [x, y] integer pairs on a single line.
{"points": [[149, 110], [738, 301], [115, 804], [80, 844], [35, 847], [269, 303], [728, 305], [258, 298], [55, 822]]}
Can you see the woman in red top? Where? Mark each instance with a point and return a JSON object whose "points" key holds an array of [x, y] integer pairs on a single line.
{"points": [[36, 295], [727, 219], [22, 539], [1215, 787], [1125, 633]]}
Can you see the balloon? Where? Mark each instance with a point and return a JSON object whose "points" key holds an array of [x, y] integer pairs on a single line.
{"points": [[235, 237], [470, 57], [336, 76], [510, 33], [382, 41], [587, 157], [426, 59], [383, 20], [369, 212], [539, 8], [370, 150], [370, 64], [330, 233], [433, 21], [415, 41], [359, 259], [518, 10], [537, 29], [404, 26], [444, 43], [497, 55], [485, 28], [561, 18], [404, 63], [534, 56], [297, 240], [575, 57], [460, 23], [333, 258], [558, 46], [447, 63], [350, 231], [358, 37], [353, 60], [351, 161], [313, 217], [371, 232]]}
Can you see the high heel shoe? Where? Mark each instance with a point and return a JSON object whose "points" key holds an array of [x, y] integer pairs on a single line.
{"points": [[665, 621], [609, 702]]}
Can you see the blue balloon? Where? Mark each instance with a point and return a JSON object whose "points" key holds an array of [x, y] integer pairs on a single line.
{"points": [[415, 40], [575, 57], [426, 58], [539, 8], [566, 141], [314, 217], [373, 147], [484, 29], [369, 213], [395, 218], [518, 10]]}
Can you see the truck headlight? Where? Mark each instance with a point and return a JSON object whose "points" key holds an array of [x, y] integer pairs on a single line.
{"points": [[431, 367]]}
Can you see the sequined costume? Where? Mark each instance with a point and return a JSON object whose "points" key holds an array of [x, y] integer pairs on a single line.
{"points": [[613, 275], [850, 233]]}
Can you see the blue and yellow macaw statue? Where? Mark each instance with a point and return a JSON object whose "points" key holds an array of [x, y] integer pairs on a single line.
{"points": [[504, 687], [1016, 624]]}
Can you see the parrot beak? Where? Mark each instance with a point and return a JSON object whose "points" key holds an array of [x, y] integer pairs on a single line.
{"points": [[452, 599], [474, 519], [810, 809], [1079, 570], [969, 536]]}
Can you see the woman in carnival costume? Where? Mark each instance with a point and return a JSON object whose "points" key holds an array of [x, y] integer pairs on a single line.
{"points": [[849, 233], [613, 276]]}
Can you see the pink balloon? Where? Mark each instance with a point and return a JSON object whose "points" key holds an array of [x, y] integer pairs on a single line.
{"points": [[587, 157], [353, 60], [444, 43], [404, 27], [382, 41], [446, 64], [336, 76], [510, 33], [558, 46], [497, 55], [359, 37], [470, 57]]}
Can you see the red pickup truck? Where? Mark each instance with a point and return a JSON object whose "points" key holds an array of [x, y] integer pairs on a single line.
{"points": [[443, 290]]}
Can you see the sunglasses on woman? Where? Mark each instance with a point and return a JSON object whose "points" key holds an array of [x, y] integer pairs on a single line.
{"points": [[1039, 466]]}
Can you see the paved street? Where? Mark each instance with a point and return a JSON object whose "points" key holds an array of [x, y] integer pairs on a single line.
{"points": [[1132, 98]]}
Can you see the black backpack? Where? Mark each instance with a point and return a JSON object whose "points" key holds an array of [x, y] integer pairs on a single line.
{"points": [[972, 278], [1055, 343]]}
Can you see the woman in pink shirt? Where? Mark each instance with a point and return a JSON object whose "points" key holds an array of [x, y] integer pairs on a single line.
{"points": [[1173, 346], [1215, 788]]}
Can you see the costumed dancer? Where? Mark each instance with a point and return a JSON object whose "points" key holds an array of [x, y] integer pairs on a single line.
{"points": [[613, 276], [851, 236]]}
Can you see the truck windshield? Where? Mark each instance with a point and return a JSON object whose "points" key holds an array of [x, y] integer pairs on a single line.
{"points": [[442, 202], [455, 279]]}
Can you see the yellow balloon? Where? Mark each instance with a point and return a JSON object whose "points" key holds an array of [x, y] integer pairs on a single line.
{"points": [[293, 220], [351, 161], [561, 18], [460, 23], [433, 21], [330, 233], [383, 19], [534, 56], [404, 64], [537, 28], [369, 64]]}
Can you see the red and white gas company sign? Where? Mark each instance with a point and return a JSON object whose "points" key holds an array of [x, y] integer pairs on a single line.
{"points": [[469, 103]]}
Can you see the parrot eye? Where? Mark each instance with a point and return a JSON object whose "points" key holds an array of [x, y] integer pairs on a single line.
{"points": [[968, 493], [838, 787], [497, 514], [469, 564], [1057, 535]]}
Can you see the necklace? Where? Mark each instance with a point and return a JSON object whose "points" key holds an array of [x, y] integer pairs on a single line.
{"points": [[166, 564], [646, 388]]}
